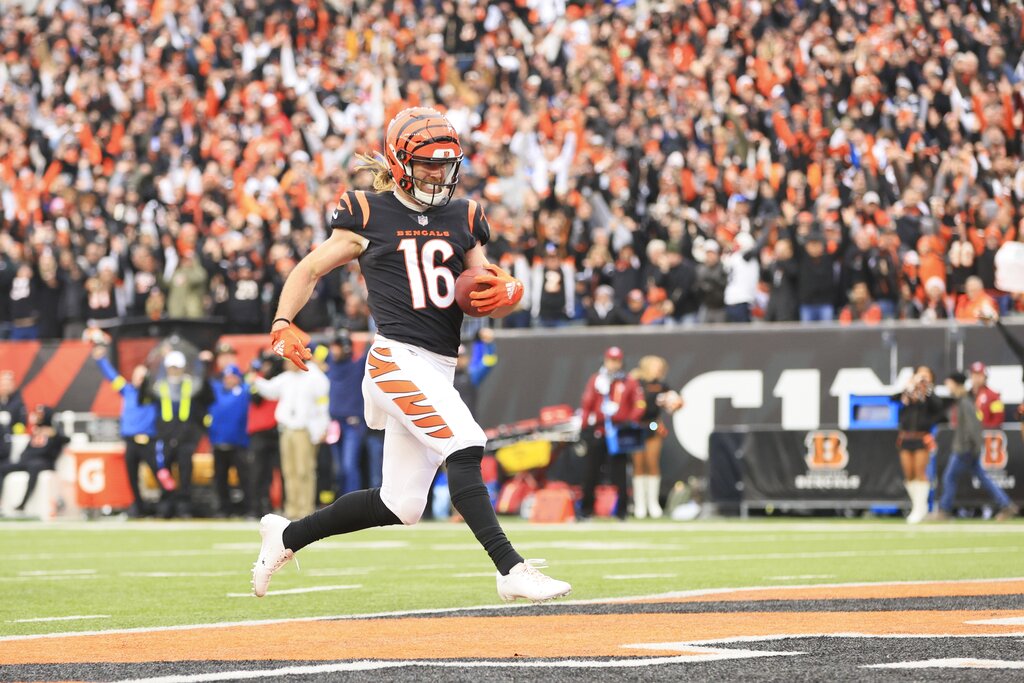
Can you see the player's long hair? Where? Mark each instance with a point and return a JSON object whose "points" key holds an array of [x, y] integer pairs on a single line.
{"points": [[378, 166]]}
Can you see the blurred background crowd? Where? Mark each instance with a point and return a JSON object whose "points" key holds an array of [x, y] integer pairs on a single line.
{"points": [[640, 163]]}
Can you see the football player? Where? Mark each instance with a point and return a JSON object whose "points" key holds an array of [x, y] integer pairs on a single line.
{"points": [[412, 240]]}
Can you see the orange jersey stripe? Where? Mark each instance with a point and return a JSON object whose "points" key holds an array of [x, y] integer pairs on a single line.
{"points": [[380, 367], [472, 215], [430, 421], [410, 404], [348, 202], [364, 206], [397, 386], [442, 433]]}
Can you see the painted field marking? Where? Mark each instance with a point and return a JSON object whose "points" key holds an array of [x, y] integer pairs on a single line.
{"points": [[1010, 621], [59, 577], [631, 577], [473, 575], [252, 546], [297, 591], [71, 618], [952, 663], [57, 572], [700, 655], [340, 571], [822, 555], [695, 593], [181, 575], [800, 576], [566, 545]]}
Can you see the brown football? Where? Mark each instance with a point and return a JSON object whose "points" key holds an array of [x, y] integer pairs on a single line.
{"points": [[467, 283]]}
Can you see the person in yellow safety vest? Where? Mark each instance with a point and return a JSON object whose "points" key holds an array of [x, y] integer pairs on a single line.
{"points": [[182, 400]]}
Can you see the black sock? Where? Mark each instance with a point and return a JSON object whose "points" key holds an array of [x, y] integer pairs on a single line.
{"points": [[352, 512], [469, 497]]}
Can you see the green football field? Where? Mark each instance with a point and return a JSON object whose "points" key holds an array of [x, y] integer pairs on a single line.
{"points": [[62, 577]]}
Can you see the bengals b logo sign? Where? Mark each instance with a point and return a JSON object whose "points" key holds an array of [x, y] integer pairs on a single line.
{"points": [[994, 456], [826, 450]]}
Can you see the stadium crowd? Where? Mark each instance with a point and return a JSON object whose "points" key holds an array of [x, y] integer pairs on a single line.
{"points": [[641, 163]]}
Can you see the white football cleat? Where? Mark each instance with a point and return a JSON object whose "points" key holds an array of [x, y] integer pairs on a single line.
{"points": [[526, 581], [273, 554]]}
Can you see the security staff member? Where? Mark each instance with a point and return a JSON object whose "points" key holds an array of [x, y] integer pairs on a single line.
{"points": [[138, 425], [182, 400]]}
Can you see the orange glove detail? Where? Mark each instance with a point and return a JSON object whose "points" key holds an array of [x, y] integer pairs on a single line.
{"points": [[290, 342], [504, 290]]}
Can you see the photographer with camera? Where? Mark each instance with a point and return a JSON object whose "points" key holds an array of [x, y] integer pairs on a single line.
{"points": [[921, 410]]}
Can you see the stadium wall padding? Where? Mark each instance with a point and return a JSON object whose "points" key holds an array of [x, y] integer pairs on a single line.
{"points": [[775, 376]]}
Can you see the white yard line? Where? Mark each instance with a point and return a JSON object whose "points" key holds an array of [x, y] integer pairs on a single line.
{"points": [[181, 575], [71, 618], [56, 572], [59, 577], [952, 663], [699, 655], [801, 577], [297, 591], [631, 577], [1009, 621]]}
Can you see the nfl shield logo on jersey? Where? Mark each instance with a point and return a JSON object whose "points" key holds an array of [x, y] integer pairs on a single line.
{"points": [[422, 219]]}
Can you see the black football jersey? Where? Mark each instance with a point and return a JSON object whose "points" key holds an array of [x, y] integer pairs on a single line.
{"points": [[412, 262]]}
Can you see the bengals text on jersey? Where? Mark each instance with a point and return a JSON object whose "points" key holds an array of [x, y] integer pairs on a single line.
{"points": [[411, 263]]}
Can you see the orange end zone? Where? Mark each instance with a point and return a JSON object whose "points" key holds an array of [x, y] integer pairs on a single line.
{"points": [[507, 636]]}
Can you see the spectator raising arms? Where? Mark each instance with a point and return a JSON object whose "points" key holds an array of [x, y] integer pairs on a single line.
{"points": [[602, 128]]}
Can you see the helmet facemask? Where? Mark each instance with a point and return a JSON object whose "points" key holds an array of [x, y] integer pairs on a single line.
{"points": [[417, 137], [426, 190]]}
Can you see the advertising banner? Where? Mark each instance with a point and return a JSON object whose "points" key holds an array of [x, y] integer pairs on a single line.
{"points": [[855, 468]]}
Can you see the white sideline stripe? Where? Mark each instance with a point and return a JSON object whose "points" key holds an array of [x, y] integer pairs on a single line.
{"points": [[341, 571], [56, 572], [699, 592], [703, 655], [297, 591], [850, 634], [71, 618], [61, 577], [180, 575], [28, 557], [567, 545], [824, 554], [474, 575], [1008, 621], [952, 663], [800, 576], [630, 577], [328, 545]]}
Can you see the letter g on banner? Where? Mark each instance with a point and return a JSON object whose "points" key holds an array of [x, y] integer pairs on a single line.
{"points": [[92, 477]]}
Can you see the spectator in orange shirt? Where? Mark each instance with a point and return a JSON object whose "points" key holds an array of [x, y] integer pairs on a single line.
{"points": [[861, 308], [930, 258], [974, 301]]}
